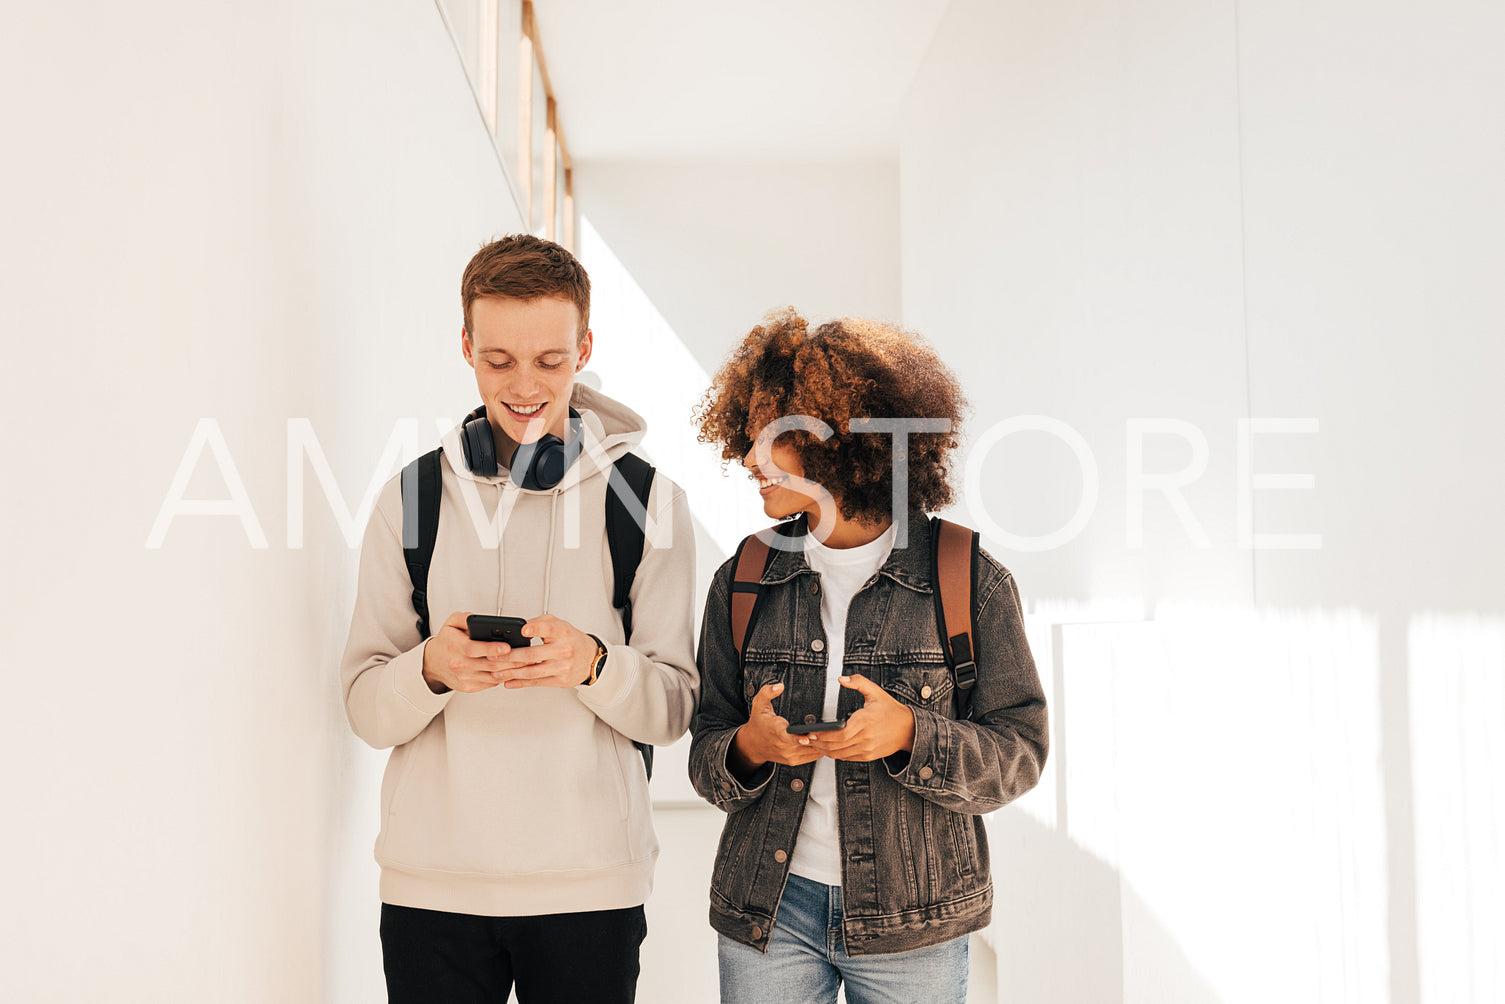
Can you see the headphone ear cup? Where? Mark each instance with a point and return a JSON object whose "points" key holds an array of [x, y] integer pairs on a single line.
{"points": [[548, 467], [536, 466], [540, 465], [479, 446]]}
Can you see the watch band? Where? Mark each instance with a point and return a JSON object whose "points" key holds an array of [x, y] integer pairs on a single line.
{"points": [[599, 662]]}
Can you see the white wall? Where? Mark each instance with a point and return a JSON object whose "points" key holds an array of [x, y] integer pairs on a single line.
{"points": [[1280, 783], [250, 213], [1375, 304]]}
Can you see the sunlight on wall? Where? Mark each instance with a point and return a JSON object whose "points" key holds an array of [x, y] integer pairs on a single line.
{"points": [[1040, 804], [1044, 620], [1221, 765], [645, 365], [1457, 703], [639, 360], [1255, 776]]}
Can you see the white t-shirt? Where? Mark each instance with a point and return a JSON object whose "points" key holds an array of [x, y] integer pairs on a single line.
{"points": [[817, 849]]}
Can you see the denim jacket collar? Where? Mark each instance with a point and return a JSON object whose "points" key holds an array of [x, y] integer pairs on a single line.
{"points": [[908, 566]]}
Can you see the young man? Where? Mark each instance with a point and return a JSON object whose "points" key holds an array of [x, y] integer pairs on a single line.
{"points": [[517, 846]]}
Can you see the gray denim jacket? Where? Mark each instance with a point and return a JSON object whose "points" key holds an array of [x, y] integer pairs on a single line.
{"points": [[914, 853]]}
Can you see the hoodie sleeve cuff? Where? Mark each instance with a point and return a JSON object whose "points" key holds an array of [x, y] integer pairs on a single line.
{"points": [[408, 682], [615, 681]]}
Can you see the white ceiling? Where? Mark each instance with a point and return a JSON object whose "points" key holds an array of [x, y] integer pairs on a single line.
{"points": [[712, 79]]}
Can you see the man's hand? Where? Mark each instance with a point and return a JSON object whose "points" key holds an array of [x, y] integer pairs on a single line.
{"points": [[563, 660], [451, 661], [765, 737], [880, 727]]}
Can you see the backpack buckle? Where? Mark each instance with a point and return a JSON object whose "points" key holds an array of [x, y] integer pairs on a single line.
{"points": [[961, 656], [966, 675]]}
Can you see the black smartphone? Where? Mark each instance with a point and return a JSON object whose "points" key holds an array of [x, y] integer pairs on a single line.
{"points": [[484, 627], [804, 729]]}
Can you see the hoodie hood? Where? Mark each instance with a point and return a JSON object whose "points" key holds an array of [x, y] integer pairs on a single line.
{"points": [[608, 428]]}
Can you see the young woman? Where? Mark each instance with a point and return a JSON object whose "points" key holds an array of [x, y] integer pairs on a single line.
{"points": [[855, 855]]}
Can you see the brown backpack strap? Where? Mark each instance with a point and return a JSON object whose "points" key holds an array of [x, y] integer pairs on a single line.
{"points": [[747, 585], [953, 548]]}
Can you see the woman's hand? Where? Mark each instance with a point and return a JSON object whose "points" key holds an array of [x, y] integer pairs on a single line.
{"points": [[881, 727], [765, 738]]}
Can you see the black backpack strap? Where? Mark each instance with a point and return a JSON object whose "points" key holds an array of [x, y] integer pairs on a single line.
{"points": [[624, 533], [624, 538], [953, 552], [421, 486]]}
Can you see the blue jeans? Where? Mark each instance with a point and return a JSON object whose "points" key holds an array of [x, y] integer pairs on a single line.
{"points": [[807, 961]]}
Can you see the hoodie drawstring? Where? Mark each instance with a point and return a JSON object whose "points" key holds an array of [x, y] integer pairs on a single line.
{"points": [[548, 558]]}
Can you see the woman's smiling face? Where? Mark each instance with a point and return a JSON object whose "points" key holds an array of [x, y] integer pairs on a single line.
{"points": [[781, 481]]}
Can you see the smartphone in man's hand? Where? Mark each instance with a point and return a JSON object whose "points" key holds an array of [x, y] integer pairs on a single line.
{"points": [[485, 627]]}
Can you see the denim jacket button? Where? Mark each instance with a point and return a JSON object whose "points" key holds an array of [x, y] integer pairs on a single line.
{"points": [[925, 692], [814, 588], [817, 646], [780, 857], [810, 719], [797, 785], [757, 932], [926, 773]]}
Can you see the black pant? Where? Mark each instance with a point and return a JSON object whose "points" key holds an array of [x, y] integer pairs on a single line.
{"points": [[431, 957]]}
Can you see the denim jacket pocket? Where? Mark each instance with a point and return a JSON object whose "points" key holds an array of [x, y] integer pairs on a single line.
{"points": [[730, 878], [963, 832], [924, 685], [758, 674]]}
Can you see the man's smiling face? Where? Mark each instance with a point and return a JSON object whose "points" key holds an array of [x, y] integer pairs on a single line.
{"points": [[525, 354]]}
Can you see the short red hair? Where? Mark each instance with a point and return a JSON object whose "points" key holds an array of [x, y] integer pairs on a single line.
{"points": [[524, 267]]}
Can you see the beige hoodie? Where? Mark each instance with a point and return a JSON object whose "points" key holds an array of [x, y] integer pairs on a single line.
{"points": [[529, 801]]}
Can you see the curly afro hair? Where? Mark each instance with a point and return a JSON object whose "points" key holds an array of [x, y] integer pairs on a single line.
{"points": [[842, 370]]}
